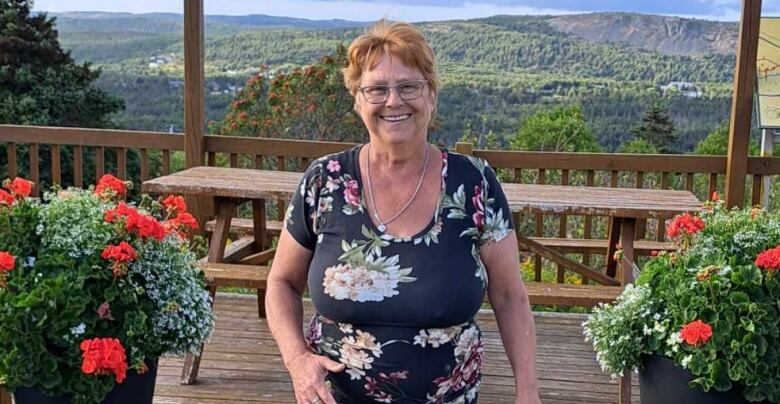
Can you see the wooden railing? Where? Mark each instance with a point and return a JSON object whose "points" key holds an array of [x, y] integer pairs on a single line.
{"points": [[142, 155]]}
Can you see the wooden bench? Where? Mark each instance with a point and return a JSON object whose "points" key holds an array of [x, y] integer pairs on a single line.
{"points": [[571, 295], [243, 227], [256, 276], [234, 275]]}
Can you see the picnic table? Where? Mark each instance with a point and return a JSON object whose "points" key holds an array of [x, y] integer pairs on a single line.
{"points": [[623, 206], [231, 186]]}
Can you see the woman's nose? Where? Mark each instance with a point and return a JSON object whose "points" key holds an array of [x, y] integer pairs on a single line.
{"points": [[393, 99]]}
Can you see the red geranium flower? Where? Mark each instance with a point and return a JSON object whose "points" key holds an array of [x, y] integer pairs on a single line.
{"points": [[104, 356], [148, 226], [769, 259], [187, 220], [6, 198], [175, 202], [121, 211], [19, 187], [715, 197], [696, 333], [684, 225], [7, 262], [110, 183], [124, 252]]}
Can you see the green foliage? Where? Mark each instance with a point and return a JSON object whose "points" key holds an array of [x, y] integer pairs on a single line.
{"points": [[305, 103], [562, 129], [61, 291], [657, 128], [717, 143], [496, 71], [638, 146], [713, 278], [40, 84]]}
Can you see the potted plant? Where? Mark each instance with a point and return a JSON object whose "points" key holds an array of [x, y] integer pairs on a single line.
{"points": [[705, 316], [93, 290]]}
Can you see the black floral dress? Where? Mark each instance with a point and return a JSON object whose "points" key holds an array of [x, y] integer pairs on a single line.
{"points": [[398, 312]]}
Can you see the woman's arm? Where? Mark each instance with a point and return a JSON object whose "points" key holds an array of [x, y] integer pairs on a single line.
{"points": [[284, 310], [510, 303]]}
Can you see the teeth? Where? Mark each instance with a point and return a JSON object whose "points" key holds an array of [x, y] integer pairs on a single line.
{"points": [[396, 118]]}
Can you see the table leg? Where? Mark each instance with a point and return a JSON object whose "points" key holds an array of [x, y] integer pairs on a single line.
{"points": [[258, 222], [627, 276], [613, 236], [5, 396], [225, 210]]}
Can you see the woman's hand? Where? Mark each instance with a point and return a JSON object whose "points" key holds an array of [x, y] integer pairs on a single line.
{"points": [[308, 371]]}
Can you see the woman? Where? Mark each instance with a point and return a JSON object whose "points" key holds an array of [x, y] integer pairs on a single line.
{"points": [[396, 240]]}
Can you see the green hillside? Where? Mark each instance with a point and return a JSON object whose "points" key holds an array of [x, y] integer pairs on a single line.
{"points": [[496, 71]]}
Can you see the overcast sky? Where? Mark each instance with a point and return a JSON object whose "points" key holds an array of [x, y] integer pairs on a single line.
{"points": [[416, 10]]}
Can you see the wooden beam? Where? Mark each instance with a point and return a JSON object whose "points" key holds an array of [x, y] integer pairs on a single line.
{"points": [[194, 83], [194, 101], [742, 103]]}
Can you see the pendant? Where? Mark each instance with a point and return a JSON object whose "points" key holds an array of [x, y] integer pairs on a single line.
{"points": [[381, 228]]}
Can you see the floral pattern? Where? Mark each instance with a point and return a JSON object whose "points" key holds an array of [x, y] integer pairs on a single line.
{"points": [[386, 352], [358, 350]]}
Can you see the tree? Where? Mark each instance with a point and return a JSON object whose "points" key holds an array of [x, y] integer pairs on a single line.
{"points": [[657, 128], [304, 103], [638, 146], [40, 84], [562, 129], [717, 143]]}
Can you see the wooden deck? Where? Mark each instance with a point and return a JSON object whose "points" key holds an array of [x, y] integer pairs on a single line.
{"points": [[241, 364]]}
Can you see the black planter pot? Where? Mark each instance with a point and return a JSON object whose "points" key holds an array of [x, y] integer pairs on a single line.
{"points": [[135, 389], [662, 382]]}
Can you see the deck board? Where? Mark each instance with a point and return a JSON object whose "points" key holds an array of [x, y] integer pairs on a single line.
{"points": [[241, 363]]}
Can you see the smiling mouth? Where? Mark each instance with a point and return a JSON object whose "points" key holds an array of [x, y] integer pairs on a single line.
{"points": [[395, 118]]}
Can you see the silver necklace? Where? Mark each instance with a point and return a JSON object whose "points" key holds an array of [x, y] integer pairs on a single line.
{"points": [[383, 224]]}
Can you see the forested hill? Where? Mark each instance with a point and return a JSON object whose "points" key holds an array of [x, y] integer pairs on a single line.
{"points": [[608, 45], [496, 70]]}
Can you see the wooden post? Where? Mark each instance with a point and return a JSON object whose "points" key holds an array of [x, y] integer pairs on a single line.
{"points": [[464, 148], [5, 396], [194, 102], [742, 103], [767, 149]]}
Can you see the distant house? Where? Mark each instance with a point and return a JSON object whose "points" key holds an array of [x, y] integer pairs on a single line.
{"points": [[159, 60], [683, 87]]}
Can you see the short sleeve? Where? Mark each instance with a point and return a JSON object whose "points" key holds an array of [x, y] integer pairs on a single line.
{"points": [[497, 215], [302, 216]]}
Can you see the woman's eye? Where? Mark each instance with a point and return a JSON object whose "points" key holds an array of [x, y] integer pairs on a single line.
{"points": [[408, 88], [376, 90]]}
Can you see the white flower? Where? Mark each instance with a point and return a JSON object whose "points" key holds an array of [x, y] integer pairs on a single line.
{"points": [[332, 184], [326, 204], [78, 330], [686, 361], [359, 284], [354, 359], [345, 328], [469, 337], [435, 337]]}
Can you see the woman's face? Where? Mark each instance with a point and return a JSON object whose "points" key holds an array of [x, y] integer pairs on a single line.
{"points": [[395, 120]]}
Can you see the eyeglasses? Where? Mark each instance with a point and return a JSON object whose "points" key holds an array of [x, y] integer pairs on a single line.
{"points": [[407, 91]]}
